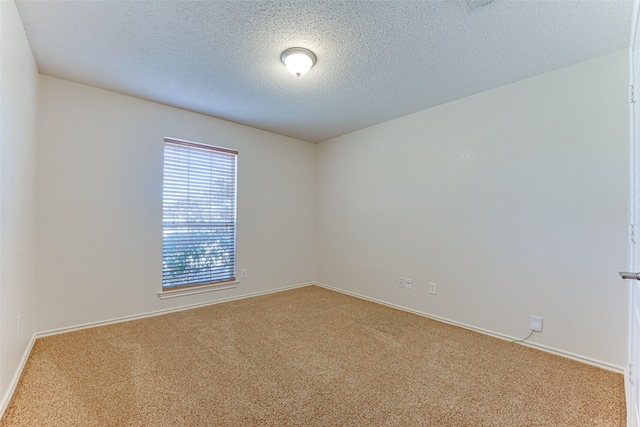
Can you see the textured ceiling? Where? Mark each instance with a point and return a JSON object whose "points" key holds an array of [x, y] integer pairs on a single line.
{"points": [[377, 60]]}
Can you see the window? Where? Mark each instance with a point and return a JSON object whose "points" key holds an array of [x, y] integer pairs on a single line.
{"points": [[198, 215]]}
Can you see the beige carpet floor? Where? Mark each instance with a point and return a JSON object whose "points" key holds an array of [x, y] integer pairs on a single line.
{"points": [[304, 357]]}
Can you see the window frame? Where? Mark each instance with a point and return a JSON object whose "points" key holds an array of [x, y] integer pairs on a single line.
{"points": [[196, 287]]}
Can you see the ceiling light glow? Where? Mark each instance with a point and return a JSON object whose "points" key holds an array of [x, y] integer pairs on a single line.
{"points": [[298, 60]]}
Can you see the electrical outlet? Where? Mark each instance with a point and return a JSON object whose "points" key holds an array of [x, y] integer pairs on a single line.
{"points": [[433, 288], [535, 323], [407, 283], [244, 273], [18, 325], [401, 282]]}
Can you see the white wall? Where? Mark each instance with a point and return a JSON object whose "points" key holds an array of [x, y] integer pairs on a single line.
{"points": [[18, 85], [99, 190], [514, 201]]}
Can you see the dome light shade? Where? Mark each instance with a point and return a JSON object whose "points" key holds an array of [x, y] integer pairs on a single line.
{"points": [[298, 60]]}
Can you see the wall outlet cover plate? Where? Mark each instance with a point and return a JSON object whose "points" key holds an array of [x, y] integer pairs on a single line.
{"points": [[535, 323]]}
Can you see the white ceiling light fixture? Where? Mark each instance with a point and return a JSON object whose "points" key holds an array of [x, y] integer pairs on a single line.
{"points": [[298, 60]]}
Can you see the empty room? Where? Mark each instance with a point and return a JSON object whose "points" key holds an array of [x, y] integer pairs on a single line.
{"points": [[319, 213]]}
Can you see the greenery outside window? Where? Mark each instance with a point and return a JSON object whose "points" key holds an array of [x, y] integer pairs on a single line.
{"points": [[198, 215]]}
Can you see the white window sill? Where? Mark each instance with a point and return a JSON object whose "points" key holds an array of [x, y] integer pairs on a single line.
{"points": [[174, 293]]}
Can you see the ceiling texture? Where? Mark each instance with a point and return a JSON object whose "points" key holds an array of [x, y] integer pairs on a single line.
{"points": [[377, 60]]}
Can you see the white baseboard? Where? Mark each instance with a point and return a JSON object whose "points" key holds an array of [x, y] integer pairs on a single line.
{"points": [[16, 377], [165, 311], [627, 394], [547, 349]]}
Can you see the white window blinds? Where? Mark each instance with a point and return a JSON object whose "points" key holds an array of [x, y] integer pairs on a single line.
{"points": [[198, 214]]}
